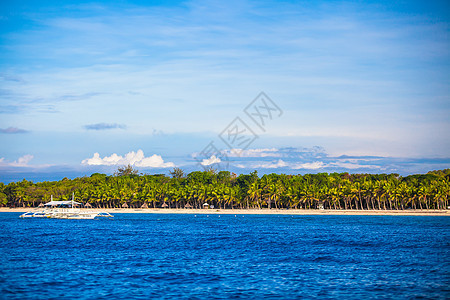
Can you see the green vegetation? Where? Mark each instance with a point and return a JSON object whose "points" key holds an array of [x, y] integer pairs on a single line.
{"points": [[226, 190]]}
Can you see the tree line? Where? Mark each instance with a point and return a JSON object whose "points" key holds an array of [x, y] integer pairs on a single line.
{"points": [[225, 190]]}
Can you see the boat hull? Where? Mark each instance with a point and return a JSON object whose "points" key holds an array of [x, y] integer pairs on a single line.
{"points": [[66, 214]]}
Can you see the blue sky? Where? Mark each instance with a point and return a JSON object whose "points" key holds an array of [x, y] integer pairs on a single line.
{"points": [[361, 86]]}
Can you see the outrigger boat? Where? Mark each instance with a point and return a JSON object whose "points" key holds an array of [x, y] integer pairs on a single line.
{"points": [[64, 210]]}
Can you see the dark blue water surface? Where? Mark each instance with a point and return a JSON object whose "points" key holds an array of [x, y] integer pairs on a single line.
{"points": [[252, 256]]}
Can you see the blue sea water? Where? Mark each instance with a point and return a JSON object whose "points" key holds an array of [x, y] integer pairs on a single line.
{"points": [[142, 256]]}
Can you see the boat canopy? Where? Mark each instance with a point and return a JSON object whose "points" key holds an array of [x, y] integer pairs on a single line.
{"points": [[57, 203]]}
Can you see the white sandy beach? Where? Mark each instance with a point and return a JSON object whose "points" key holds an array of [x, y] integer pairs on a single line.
{"points": [[259, 211]]}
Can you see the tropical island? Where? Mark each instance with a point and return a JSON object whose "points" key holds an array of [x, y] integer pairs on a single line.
{"points": [[224, 190]]}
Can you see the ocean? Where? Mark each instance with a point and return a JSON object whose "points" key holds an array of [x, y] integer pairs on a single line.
{"points": [[184, 256]]}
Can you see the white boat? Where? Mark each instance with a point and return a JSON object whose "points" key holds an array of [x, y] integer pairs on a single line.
{"points": [[64, 210]]}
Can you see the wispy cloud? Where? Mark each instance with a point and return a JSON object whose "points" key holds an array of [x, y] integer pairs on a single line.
{"points": [[8, 77], [287, 152], [309, 165], [104, 126], [264, 152], [11, 109], [329, 165], [291, 160], [354, 77], [12, 130], [271, 165], [137, 159]]}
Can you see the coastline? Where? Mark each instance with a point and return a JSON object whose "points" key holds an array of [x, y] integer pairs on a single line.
{"points": [[255, 211]]}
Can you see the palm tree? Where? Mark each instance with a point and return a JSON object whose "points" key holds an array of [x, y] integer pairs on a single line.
{"points": [[254, 193]]}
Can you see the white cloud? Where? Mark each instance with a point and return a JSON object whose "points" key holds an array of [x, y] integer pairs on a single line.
{"points": [[352, 165], [137, 159], [272, 165], [283, 164], [310, 166], [264, 152], [24, 160], [209, 161], [287, 152], [20, 162]]}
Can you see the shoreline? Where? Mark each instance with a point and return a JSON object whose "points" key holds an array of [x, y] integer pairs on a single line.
{"points": [[410, 212]]}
